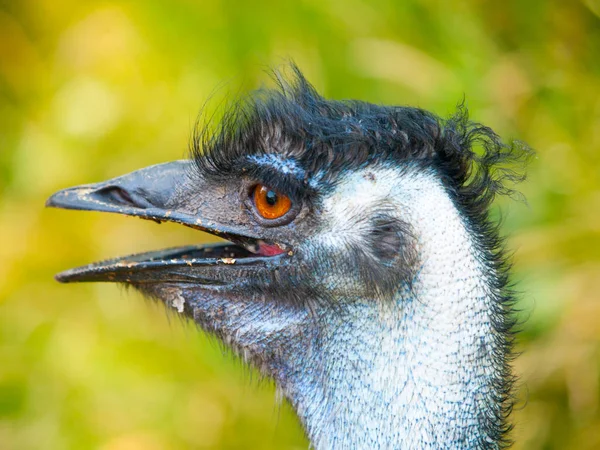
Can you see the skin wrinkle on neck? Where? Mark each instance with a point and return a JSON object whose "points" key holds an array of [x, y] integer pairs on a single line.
{"points": [[416, 372]]}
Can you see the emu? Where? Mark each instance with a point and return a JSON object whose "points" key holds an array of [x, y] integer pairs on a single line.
{"points": [[363, 271]]}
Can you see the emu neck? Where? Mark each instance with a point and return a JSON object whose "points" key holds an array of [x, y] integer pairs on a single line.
{"points": [[422, 371]]}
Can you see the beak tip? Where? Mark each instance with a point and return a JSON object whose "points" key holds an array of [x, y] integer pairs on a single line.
{"points": [[51, 202], [61, 277], [59, 199], [77, 197]]}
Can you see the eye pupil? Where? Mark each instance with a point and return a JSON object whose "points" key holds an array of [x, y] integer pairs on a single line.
{"points": [[271, 198], [269, 204]]}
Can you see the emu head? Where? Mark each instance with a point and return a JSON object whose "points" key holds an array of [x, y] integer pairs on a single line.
{"points": [[362, 272]]}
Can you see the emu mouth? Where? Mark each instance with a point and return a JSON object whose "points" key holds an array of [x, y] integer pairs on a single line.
{"points": [[144, 194]]}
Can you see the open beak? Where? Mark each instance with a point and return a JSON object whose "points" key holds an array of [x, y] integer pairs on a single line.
{"points": [[167, 192]]}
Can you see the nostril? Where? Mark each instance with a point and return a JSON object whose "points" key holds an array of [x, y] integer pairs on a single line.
{"points": [[120, 196]]}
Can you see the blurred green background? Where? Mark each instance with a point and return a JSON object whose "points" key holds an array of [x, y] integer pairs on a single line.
{"points": [[91, 90]]}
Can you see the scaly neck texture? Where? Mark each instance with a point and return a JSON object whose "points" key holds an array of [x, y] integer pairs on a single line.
{"points": [[422, 372]]}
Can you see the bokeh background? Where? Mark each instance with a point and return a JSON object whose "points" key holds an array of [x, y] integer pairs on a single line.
{"points": [[91, 90]]}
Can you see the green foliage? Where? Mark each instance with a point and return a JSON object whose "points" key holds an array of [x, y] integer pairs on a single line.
{"points": [[90, 90]]}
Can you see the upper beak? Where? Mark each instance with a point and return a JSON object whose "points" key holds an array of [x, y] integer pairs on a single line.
{"points": [[163, 193], [144, 193]]}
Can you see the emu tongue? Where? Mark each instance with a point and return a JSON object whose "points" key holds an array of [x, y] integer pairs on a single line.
{"points": [[265, 249]]}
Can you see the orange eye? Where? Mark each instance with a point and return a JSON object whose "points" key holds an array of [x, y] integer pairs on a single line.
{"points": [[269, 204]]}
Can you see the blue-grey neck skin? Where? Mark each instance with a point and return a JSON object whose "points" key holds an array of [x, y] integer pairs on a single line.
{"points": [[420, 369], [417, 372]]}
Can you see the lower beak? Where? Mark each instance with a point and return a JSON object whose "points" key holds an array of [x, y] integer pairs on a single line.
{"points": [[216, 265]]}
